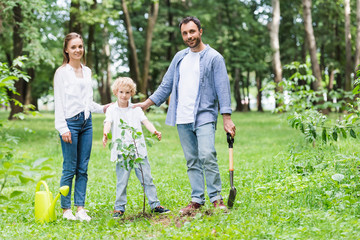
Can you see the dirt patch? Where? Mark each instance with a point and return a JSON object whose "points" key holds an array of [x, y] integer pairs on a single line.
{"points": [[165, 219]]}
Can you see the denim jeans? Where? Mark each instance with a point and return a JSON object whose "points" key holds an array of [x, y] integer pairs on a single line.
{"points": [[76, 159], [198, 145], [122, 181]]}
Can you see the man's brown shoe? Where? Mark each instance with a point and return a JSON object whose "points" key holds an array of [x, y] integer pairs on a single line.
{"points": [[190, 208], [219, 204]]}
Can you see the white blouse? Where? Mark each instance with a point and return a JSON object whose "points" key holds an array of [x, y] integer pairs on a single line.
{"points": [[72, 95]]}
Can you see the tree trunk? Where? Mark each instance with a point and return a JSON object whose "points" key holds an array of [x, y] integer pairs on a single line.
{"points": [[74, 23], [275, 45], [170, 54], [134, 62], [357, 54], [153, 14], [259, 92], [17, 51], [310, 37], [237, 93], [349, 66], [247, 97], [91, 39], [105, 81]]}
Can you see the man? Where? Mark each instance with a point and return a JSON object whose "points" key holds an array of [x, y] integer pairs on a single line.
{"points": [[198, 83]]}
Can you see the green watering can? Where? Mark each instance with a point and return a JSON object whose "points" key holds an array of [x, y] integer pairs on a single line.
{"points": [[45, 204]]}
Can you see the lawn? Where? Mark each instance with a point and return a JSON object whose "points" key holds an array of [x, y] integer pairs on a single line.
{"points": [[284, 186]]}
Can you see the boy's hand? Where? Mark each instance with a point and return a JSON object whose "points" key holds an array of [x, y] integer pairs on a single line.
{"points": [[104, 139], [158, 135]]}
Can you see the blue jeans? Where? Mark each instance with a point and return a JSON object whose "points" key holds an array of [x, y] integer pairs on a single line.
{"points": [[122, 181], [76, 159], [198, 145]]}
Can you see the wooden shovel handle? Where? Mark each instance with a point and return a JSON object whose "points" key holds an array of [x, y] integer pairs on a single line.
{"points": [[231, 160]]}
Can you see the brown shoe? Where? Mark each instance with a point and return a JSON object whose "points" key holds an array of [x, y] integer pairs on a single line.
{"points": [[219, 204], [190, 208]]}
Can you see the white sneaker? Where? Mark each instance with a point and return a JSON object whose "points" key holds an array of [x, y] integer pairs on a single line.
{"points": [[82, 215], [69, 215]]}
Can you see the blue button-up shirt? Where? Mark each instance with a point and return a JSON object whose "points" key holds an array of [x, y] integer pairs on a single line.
{"points": [[214, 88]]}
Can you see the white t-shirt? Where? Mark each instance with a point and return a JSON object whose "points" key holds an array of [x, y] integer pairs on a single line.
{"points": [[133, 117], [188, 87]]}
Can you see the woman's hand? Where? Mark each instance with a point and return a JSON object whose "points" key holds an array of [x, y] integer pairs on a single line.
{"points": [[66, 137]]}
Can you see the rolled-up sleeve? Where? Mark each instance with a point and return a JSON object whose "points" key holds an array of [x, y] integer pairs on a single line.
{"points": [[222, 85]]}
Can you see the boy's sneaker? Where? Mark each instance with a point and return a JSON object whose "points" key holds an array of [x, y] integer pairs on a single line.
{"points": [[219, 204], [82, 215], [190, 208], [69, 215], [118, 214], [160, 209]]}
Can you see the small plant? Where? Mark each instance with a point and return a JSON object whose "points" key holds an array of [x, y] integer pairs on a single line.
{"points": [[130, 157]]}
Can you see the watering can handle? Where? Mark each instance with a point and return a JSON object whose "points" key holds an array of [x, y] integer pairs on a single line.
{"points": [[43, 183]]}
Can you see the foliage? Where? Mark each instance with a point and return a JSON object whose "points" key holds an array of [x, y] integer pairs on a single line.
{"points": [[304, 113], [14, 171], [8, 76]]}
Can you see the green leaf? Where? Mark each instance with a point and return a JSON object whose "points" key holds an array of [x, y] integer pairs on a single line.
{"points": [[324, 135], [334, 134], [15, 194], [3, 198], [343, 132], [352, 133], [26, 179], [109, 136], [40, 161]]}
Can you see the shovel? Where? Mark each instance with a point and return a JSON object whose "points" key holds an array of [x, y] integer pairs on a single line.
{"points": [[232, 194]]}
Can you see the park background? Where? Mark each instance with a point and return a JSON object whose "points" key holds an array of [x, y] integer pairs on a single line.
{"points": [[296, 166]]}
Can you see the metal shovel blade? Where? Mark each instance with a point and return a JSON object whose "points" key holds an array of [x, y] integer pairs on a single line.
{"points": [[232, 194]]}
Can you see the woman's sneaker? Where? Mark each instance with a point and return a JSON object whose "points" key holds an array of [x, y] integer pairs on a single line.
{"points": [[160, 209], [117, 214], [69, 215], [82, 215]]}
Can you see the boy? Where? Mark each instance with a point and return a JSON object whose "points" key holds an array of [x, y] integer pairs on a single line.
{"points": [[124, 88]]}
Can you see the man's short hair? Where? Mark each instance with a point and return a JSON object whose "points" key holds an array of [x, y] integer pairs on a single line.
{"points": [[189, 19]]}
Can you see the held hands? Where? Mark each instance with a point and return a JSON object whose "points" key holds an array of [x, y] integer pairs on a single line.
{"points": [[158, 135], [66, 137]]}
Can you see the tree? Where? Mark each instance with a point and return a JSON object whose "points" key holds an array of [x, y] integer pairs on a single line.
{"points": [[349, 66], [357, 54], [310, 37], [274, 43], [141, 77]]}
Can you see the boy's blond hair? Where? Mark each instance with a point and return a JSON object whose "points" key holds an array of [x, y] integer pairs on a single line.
{"points": [[123, 82]]}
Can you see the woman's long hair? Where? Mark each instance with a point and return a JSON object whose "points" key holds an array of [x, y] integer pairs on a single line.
{"points": [[67, 39]]}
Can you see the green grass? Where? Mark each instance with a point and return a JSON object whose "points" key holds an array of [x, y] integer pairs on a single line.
{"points": [[284, 186]]}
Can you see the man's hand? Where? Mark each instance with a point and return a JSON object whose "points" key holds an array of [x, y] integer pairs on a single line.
{"points": [[229, 126], [144, 105], [66, 137], [106, 107]]}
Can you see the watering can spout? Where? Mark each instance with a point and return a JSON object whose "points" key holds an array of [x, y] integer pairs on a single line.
{"points": [[64, 190]]}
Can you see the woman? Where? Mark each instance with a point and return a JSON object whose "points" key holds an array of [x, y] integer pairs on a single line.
{"points": [[73, 106]]}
